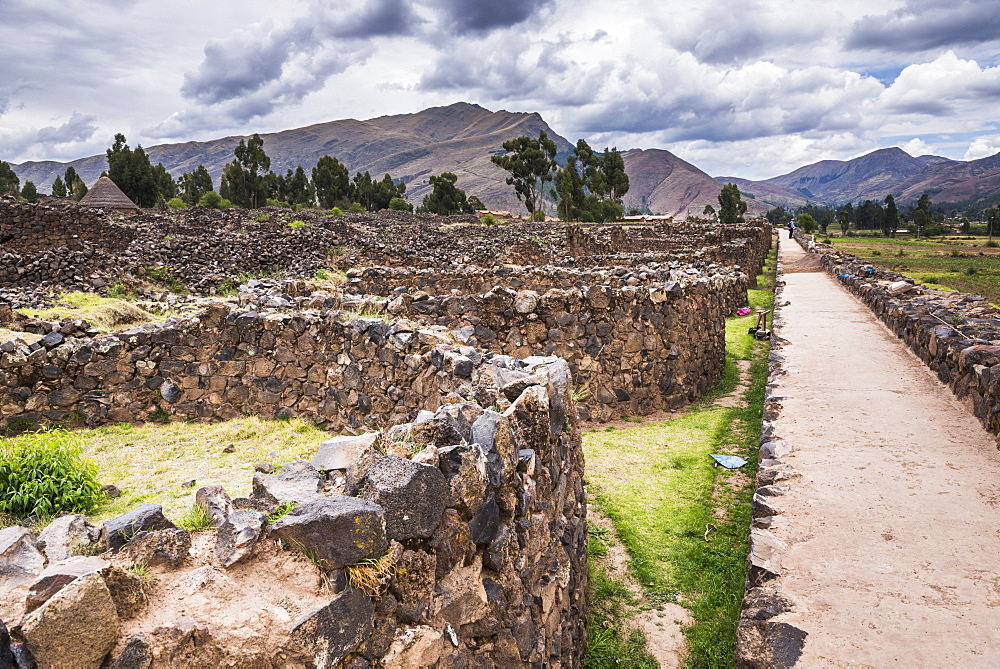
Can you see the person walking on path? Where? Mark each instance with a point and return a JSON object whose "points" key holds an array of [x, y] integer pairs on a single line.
{"points": [[791, 228]]}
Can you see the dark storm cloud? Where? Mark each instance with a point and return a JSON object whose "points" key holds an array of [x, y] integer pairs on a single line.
{"points": [[250, 60], [79, 128], [238, 65], [922, 24], [486, 15]]}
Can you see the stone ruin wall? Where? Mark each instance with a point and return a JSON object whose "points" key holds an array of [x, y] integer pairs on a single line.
{"points": [[653, 344], [32, 228], [635, 349], [632, 350], [956, 335], [482, 514]]}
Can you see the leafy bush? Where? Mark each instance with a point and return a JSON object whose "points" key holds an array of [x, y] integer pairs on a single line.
{"points": [[45, 473], [213, 200], [488, 220], [971, 270], [270, 202], [538, 216], [357, 208], [991, 244], [296, 224], [165, 275], [399, 204], [337, 211], [176, 203]]}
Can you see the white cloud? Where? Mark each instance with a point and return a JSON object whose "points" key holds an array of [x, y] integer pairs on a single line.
{"points": [[943, 86], [738, 87], [917, 147], [983, 147]]}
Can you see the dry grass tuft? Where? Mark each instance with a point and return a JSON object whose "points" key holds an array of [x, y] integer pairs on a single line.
{"points": [[371, 575]]}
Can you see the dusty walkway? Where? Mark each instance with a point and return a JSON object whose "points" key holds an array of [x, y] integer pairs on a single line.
{"points": [[893, 532]]}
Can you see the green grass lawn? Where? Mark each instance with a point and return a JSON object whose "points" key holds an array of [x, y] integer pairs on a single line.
{"points": [[150, 462], [965, 265]]}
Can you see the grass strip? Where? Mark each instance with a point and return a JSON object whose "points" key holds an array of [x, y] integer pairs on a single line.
{"points": [[661, 490]]}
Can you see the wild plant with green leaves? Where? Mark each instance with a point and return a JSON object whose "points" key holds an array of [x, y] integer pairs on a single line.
{"points": [[44, 474]]}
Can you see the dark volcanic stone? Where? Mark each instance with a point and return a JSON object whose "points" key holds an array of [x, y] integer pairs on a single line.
{"points": [[339, 531], [238, 536], [414, 496], [485, 524], [168, 546], [330, 631], [135, 655], [144, 518]]}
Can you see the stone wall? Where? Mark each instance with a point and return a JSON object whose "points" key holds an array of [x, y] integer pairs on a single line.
{"points": [[26, 227], [223, 364], [477, 519], [956, 335], [633, 350]]}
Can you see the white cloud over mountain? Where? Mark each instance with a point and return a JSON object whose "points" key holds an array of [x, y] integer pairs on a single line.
{"points": [[739, 87]]}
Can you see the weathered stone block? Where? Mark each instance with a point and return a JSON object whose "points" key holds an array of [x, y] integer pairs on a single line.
{"points": [[339, 531], [413, 495]]}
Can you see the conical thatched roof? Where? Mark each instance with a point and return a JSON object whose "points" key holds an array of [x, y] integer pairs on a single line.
{"points": [[106, 195]]}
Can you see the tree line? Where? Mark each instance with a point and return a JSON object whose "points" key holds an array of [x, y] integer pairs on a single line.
{"points": [[589, 188]]}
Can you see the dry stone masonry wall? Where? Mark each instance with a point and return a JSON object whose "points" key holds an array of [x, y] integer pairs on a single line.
{"points": [[466, 531]]}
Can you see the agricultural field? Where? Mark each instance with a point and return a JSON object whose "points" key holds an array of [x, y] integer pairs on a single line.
{"points": [[965, 264]]}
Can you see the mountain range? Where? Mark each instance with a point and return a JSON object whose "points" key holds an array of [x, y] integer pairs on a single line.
{"points": [[461, 137]]}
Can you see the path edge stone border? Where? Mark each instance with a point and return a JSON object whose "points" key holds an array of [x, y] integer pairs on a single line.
{"points": [[761, 642]]}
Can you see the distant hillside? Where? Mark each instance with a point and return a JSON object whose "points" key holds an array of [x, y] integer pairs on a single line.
{"points": [[975, 182], [458, 138], [879, 173], [768, 194], [461, 137], [664, 184], [869, 177]]}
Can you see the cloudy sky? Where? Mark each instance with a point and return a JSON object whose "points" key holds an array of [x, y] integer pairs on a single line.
{"points": [[750, 88]]}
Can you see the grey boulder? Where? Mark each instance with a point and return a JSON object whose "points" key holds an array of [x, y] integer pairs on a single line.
{"points": [[297, 481], [77, 627], [144, 518], [238, 536], [20, 559], [339, 531], [413, 495]]}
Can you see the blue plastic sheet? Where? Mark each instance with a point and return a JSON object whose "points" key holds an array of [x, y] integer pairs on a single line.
{"points": [[729, 461]]}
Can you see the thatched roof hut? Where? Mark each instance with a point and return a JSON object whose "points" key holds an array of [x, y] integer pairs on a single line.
{"points": [[106, 195]]}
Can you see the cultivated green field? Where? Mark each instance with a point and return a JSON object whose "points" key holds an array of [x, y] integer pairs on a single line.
{"points": [[967, 265]]}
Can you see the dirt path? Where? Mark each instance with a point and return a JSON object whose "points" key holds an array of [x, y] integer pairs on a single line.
{"points": [[894, 544]]}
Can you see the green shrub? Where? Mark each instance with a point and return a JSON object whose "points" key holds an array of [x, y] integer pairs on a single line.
{"points": [[270, 202], [296, 224], [44, 474], [971, 269], [176, 203], [337, 211], [488, 220], [538, 216], [165, 275], [399, 204], [357, 208], [991, 244], [213, 200], [196, 519]]}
